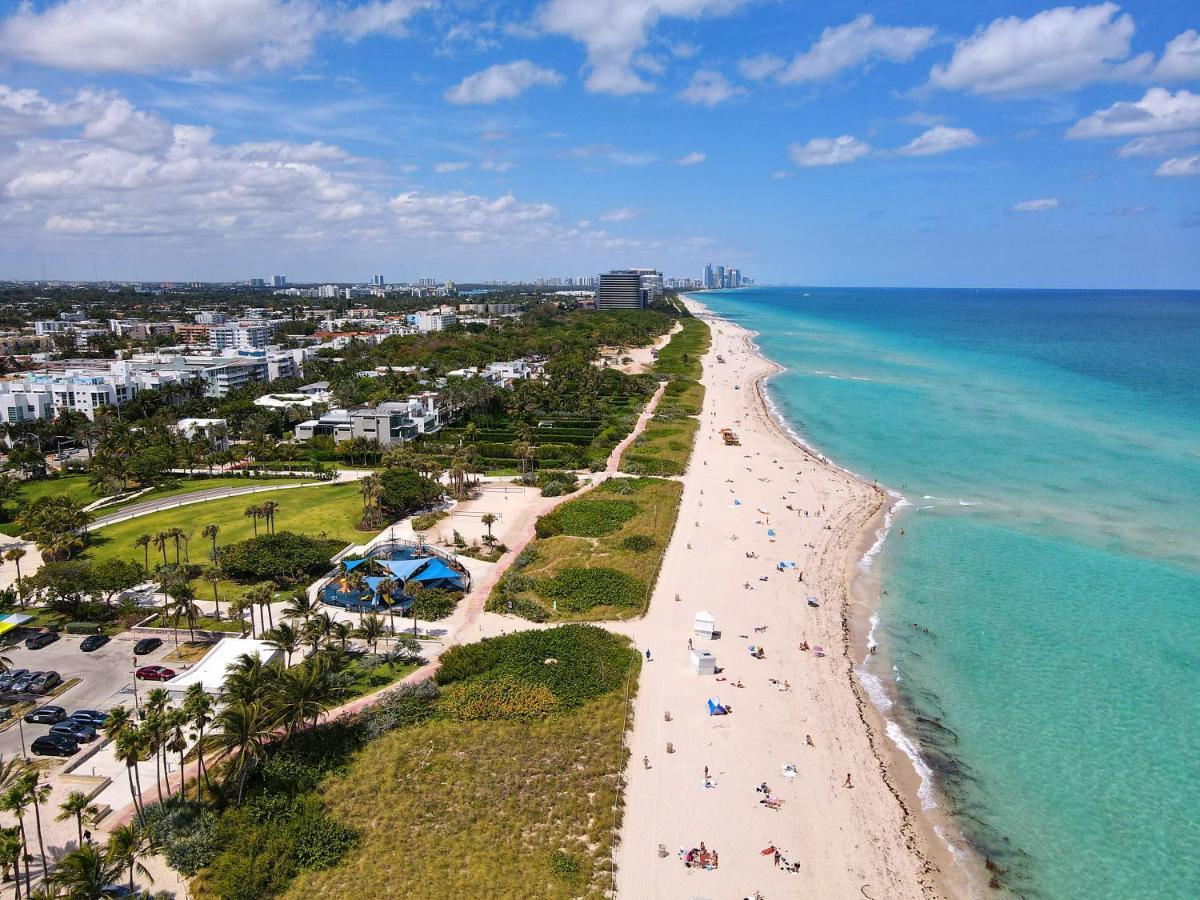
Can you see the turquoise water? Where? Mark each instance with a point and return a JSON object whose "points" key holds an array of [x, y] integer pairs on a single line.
{"points": [[1049, 445]]}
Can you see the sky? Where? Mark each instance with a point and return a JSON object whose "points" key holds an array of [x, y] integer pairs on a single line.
{"points": [[976, 144]]}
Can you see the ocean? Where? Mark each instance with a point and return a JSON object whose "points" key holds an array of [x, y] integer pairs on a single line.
{"points": [[1039, 626]]}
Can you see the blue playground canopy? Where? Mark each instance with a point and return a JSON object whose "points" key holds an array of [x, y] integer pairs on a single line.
{"points": [[438, 571], [402, 569], [352, 564]]}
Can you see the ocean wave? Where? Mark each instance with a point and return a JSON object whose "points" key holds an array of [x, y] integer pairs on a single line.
{"points": [[864, 564], [909, 748]]}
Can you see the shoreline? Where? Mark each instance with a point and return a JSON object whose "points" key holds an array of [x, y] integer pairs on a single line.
{"points": [[957, 868]]}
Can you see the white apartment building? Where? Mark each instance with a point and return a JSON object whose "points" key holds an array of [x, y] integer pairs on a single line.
{"points": [[433, 320], [239, 336], [210, 317], [78, 389], [390, 423], [212, 430]]}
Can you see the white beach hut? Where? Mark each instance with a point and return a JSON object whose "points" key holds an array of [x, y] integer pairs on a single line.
{"points": [[704, 625], [704, 663]]}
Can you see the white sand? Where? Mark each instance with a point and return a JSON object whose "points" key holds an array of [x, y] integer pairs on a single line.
{"points": [[849, 842]]}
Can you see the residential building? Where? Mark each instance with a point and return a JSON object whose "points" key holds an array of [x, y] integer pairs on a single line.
{"points": [[188, 333], [211, 317], [390, 423], [433, 320], [620, 290], [279, 281], [215, 431], [377, 280], [240, 336]]}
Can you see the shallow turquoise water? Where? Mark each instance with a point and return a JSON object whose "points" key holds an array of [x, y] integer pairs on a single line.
{"points": [[1049, 443]]}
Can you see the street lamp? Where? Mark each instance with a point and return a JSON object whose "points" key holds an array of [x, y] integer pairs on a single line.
{"points": [[136, 708], [21, 728]]}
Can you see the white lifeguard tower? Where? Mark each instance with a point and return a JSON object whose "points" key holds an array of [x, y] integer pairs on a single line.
{"points": [[704, 625], [704, 663]]}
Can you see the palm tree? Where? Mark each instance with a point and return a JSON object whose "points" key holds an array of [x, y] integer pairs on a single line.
{"points": [[37, 793], [488, 520], [160, 544], [144, 541], [301, 694], [86, 872], [372, 630], [284, 638], [371, 490], [248, 680], [199, 707], [301, 606], [268, 510], [125, 844], [129, 751], [177, 723], [119, 718], [15, 800], [10, 855], [237, 611], [77, 807], [15, 555], [211, 532], [175, 534], [253, 512], [184, 606], [213, 575], [340, 631], [242, 732]]}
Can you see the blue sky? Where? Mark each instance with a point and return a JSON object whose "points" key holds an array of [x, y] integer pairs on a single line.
{"points": [[988, 144]]}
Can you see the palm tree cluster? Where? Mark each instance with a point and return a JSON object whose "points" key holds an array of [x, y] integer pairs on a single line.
{"points": [[265, 511], [57, 524]]}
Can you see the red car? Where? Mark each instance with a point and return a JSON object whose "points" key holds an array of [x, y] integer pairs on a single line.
{"points": [[155, 673]]}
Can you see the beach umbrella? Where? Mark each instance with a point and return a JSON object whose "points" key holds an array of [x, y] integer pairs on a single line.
{"points": [[770, 532]]}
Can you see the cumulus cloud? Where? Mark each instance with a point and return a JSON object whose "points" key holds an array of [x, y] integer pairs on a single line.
{"points": [[709, 88], [623, 214], [143, 36], [443, 167], [828, 151], [1160, 144], [615, 32], [856, 43], [1057, 49], [468, 218], [758, 68], [1158, 112], [501, 82], [611, 154], [1181, 58], [691, 159], [1042, 204], [940, 139], [1180, 166]]}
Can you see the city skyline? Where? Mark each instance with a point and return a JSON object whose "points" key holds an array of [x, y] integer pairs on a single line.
{"points": [[1006, 145]]}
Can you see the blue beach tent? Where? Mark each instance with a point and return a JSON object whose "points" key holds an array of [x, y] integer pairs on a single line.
{"points": [[715, 708]]}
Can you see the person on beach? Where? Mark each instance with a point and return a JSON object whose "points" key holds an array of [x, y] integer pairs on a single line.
{"points": [[647, 654], [646, 761], [848, 783], [808, 740], [689, 643]]}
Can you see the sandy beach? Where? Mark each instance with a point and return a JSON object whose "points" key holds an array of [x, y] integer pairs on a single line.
{"points": [[796, 722]]}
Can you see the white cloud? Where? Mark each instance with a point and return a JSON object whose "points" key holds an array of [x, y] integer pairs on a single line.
{"points": [[443, 167], [710, 88], [616, 31], [940, 139], [623, 214], [828, 151], [756, 68], [501, 82], [1042, 204], [1181, 58], [491, 165], [683, 50], [609, 153], [468, 218], [1057, 49], [181, 35], [1160, 144], [691, 159], [856, 43], [1180, 166], [1158, 112]]}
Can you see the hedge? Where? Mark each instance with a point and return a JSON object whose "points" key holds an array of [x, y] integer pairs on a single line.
{"points": [[586, 517]]}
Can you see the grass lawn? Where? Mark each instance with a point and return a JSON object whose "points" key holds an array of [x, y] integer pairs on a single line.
{"points": [[74, 486], [369, 679], [609, 576], [664, 448], [193, 485]]}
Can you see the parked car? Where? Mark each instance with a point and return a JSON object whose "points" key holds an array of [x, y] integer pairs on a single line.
{"points": [[21, 685], [40, 640], [45, 682], [76, 731], [9, 677], [93, 642], [155, 673], [53, 745], [93, 717], [146, 646], [48, 715]]}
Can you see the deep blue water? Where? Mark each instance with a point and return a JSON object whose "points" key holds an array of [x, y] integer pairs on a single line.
{"points": [[1049, 445]]}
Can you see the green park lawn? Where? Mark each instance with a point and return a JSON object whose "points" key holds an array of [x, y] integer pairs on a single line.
{"points": [[193, 485], [664, 448]]}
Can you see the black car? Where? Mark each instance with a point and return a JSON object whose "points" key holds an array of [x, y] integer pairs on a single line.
{"points": [[46, 714], [146, 645], [53, 745], [76, 731], [93, 642], [40, 640]]}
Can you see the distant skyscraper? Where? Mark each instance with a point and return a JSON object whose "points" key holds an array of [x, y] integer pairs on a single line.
{"points": [[257, 283], [707, 279], [620, 290], [278, 281], [377, 280], [735, 278], [719, 277]]}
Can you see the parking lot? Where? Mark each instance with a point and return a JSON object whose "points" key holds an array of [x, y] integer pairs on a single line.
{"points": [[107, 676]]}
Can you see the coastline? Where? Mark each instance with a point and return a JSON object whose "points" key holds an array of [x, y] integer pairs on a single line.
{"points": [[867, 840], [957, 869]]}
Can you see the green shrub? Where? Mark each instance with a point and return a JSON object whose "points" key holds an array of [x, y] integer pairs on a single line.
{"points": [[577, 589], [186, 831], [586, 517], [434, 605], [405, 491], [81, 628], [280, 557], [428, 520], [565, 867], [504, 697], [639, 543]]}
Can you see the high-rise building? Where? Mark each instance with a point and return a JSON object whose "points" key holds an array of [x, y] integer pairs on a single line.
{"points": [[257, 283], [278, 281], [707, 278], [735, 278], [377, 280], [240, 336], [620, 290]]}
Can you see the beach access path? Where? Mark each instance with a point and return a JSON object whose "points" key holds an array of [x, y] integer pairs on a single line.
{"points": [[746, 509]]}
